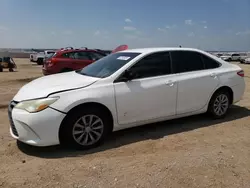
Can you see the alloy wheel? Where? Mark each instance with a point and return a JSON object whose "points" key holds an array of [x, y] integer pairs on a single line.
{"points": [[221, 104], [88, 130]]}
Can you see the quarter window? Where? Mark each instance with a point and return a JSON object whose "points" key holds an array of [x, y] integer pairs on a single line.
{"points": [[156, 64], [186, 61], [209, 62]]}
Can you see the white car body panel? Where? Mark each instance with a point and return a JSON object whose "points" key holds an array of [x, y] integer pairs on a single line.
{"points": [[247, 60], [189, 83], [132, 103], [143, 99], [38, 55], [46, 85], [36, 130]]}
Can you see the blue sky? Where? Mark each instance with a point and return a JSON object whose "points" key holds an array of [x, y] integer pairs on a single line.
{"points": [[204, 24]]}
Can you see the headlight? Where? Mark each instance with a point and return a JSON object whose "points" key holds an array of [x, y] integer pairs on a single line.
{"points": [[36, 105]]}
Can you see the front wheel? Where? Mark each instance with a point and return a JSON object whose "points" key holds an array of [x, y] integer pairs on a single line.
{"points": [[219, 104], [84, 129], [40, 61]]}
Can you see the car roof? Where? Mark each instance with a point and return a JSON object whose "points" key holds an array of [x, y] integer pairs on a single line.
{"points": [[151, 50], [76, 50]]}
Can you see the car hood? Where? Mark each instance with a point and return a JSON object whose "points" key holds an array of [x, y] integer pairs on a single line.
{"points": [[46, 85]]}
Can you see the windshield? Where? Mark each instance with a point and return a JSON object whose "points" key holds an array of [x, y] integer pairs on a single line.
{"points": [[108, 65], [49, 55]]}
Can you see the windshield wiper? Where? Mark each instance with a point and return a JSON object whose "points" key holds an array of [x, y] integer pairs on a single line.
{"points": [[79, 72]]}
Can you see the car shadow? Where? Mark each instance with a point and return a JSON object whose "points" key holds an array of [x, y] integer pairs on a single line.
{"points": [[137, 134]]}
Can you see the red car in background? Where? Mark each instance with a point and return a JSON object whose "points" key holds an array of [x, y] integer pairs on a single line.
{"points": [[69, 59], [66, 60]]}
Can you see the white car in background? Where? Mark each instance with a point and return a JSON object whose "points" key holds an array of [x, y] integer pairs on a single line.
{"points": [[124, 89], [245, 61], [226, 57], [234, 57], [39, 57]]}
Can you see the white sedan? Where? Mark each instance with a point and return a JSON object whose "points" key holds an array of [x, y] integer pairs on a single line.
{"points": [[246, 60], [125, 89]]}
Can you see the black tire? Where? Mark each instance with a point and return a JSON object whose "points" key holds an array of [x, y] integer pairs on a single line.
{"points": [[66, 136], [40, 61], [213, 104], [1, 69]]}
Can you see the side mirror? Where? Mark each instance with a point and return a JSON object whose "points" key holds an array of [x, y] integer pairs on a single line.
{"points": [[128, 76]]}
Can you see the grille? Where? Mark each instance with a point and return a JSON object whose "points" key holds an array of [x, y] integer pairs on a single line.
{"points": [[10, 108]]}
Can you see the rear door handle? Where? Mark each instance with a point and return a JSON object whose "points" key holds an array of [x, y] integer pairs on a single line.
{"points": [[213, 75], [170, 83]]}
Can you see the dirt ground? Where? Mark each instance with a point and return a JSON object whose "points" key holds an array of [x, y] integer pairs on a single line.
{"points": [[189, 152]]}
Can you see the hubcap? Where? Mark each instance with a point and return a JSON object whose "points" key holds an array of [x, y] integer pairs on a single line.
{"points": [[88, 130], [221, 104]]}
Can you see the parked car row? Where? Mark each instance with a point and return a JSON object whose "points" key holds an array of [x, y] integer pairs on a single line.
{"points": [[240, 57], [126, 88]]}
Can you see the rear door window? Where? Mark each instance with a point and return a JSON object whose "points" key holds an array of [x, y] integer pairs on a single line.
{"points": [[209, 63], [156, 64], [186, 61]]}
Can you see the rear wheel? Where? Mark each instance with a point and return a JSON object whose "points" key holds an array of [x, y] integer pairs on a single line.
{"points": [[219, 104], [40, 61], [84, 129]]}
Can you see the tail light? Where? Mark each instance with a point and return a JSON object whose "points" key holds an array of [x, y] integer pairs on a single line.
{"points": [[241, 73]]}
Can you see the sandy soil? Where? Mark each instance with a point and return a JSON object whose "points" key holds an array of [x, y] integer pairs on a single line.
{"points": [[190, 152]]}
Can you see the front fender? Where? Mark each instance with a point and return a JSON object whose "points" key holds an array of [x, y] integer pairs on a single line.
{"points": [[103, 95]]}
